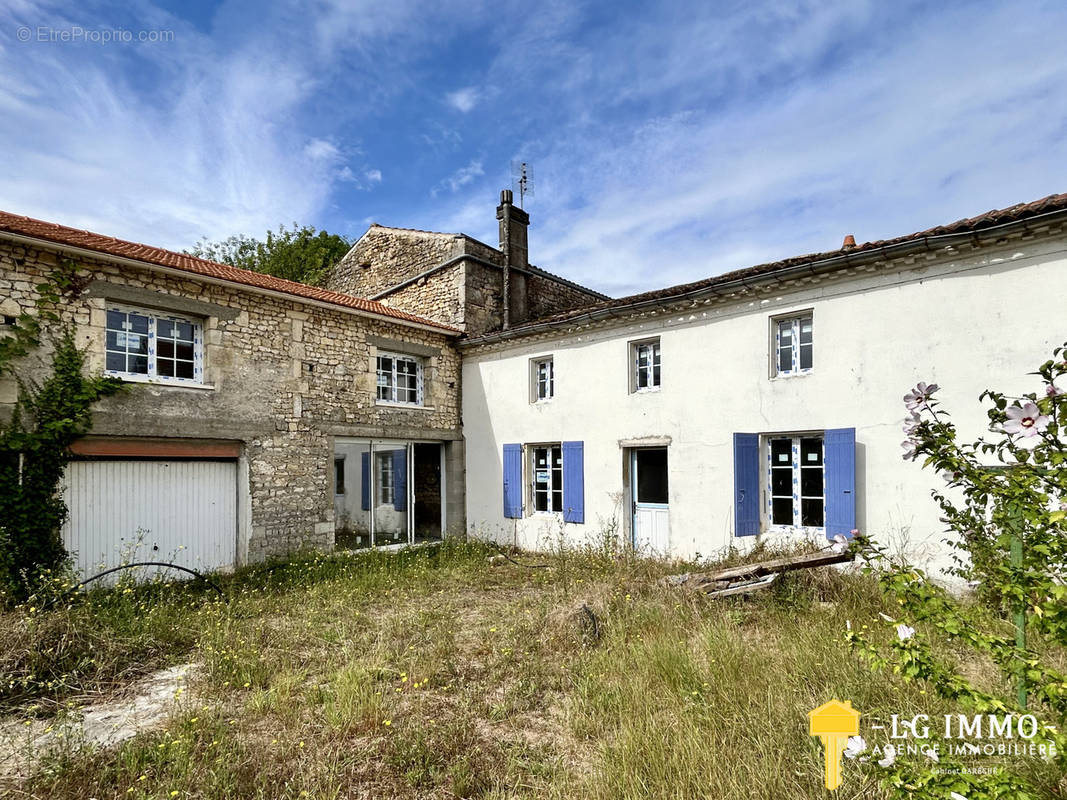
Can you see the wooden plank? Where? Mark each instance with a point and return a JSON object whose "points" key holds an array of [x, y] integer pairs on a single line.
{"points": [[805, 561], [713, 582], [746, 587]]}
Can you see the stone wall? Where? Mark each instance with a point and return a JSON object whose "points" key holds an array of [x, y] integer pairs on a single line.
{"points": [[384, 257], [467, 294], [438, 296], [282, 377], [546, 297]]}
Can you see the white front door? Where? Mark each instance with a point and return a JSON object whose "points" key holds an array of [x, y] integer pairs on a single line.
{"points": [[648, 482]]}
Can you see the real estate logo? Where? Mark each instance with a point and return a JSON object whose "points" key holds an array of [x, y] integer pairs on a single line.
{"points": [[833, 723], [837, 724]]}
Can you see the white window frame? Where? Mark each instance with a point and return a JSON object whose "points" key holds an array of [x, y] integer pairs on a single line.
{"points": [[392, 386], [654, 360], [385, 487], [152, 376], [555, 478], [542, 387], [798, 496], [795, 323]]}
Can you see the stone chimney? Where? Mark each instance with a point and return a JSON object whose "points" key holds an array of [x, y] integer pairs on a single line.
{"points": [[514, 223]]}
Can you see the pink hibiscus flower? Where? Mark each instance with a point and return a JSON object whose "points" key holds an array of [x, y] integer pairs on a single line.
{"points": [[918, 397], [1026, 420]]}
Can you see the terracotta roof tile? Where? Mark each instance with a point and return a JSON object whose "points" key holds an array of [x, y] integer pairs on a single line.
{"points": [[1055, 202], [109, 246]]}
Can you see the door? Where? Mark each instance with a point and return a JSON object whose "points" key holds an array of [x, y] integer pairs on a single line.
{"points": [[121, 511], [649, 495], [388, 493]]}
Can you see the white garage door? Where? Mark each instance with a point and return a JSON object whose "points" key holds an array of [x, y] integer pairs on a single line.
{"points": [[182, 512]]}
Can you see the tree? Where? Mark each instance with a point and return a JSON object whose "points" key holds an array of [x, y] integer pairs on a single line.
{"points": [[302, 254]]}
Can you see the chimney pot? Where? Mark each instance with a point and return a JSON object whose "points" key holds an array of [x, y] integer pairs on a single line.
{"points": [[506, 197], [849, 243]]}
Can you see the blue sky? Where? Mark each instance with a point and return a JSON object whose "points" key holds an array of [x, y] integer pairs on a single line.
{"points": [[668, 141]]}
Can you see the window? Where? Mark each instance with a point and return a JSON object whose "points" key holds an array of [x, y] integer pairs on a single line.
{"points": [[153, 345], [646, 361], [547, 478], [544, 379], [386, 485], [399, 379], [338, 476], [793, 348], [796, 495]]}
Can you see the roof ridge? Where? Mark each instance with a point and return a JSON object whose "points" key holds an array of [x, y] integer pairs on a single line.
{"points": [[172, 259], [1016, 212]]}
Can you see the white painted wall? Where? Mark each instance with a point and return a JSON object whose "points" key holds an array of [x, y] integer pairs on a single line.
{"points": [[967, 322]]}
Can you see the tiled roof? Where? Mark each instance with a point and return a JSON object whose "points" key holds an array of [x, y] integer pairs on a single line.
{"points": [[108, 246], [1020, 211]]}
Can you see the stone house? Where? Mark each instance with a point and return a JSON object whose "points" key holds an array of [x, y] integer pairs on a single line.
{"points": [[261, 415], [438, 384]]}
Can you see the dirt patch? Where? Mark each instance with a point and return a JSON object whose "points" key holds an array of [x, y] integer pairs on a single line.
{"points": [[146, 705]]}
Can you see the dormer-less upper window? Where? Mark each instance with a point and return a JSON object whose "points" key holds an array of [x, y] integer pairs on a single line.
{"points": [[399, 379], [645, 358], [154, 346], [793, 345]]}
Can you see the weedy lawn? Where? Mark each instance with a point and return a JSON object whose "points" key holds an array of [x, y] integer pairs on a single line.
{"points": [[435, 673]]}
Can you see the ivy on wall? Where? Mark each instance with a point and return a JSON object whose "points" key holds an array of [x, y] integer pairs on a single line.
{"points": [[34, 444]]}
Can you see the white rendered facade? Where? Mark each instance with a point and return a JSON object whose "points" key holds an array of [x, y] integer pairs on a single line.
{"points": [[966, 315]]}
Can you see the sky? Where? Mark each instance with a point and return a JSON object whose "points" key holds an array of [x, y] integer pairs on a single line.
{"points": [[666, 141]]}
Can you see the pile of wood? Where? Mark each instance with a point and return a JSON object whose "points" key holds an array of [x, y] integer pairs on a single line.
{"points": [[753, 577]]}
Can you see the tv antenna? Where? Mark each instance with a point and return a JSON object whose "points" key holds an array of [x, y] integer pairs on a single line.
{"points": [[522, 180]]}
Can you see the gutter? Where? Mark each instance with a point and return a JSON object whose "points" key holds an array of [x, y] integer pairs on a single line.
{"points": [[85, 252], [847, 259]]}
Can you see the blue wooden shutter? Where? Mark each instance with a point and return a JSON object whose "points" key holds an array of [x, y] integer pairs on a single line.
{"points": [[400, 479], [746, 484], [839, 448], [364, 480], [513, 481], [573, 482]]}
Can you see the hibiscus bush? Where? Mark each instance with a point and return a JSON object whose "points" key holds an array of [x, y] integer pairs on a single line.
{"points": [[1003, 506]]}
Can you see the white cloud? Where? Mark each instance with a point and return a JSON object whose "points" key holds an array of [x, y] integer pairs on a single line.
{"points": [[322, 150], [460, 178], [201, 136], [755, 159], [463, 99]]}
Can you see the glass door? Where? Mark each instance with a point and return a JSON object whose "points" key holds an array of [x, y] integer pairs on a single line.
{"points": [[388, 493]]}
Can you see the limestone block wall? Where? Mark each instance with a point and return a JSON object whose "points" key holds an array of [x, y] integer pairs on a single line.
{"points": [[282, 377], [384, 257], [545, 297], [438, 296]]}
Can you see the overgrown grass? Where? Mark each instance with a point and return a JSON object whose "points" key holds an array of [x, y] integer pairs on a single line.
{"points": [[431, 673]]}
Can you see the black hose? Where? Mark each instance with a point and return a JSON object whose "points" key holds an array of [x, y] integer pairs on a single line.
{"points": [[204, 578]]}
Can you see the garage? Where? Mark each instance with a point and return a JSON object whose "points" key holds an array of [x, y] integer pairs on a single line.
{"points": [[126, 508]]}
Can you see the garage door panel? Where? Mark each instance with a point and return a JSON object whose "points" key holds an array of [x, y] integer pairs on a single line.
{"points": [[183, 512]]}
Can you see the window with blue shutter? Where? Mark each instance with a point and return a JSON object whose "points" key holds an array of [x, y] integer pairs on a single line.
{"points": [[364, 480], [746, 484], [840, 457], [573, 482], [400, 479], [512, 481]]}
